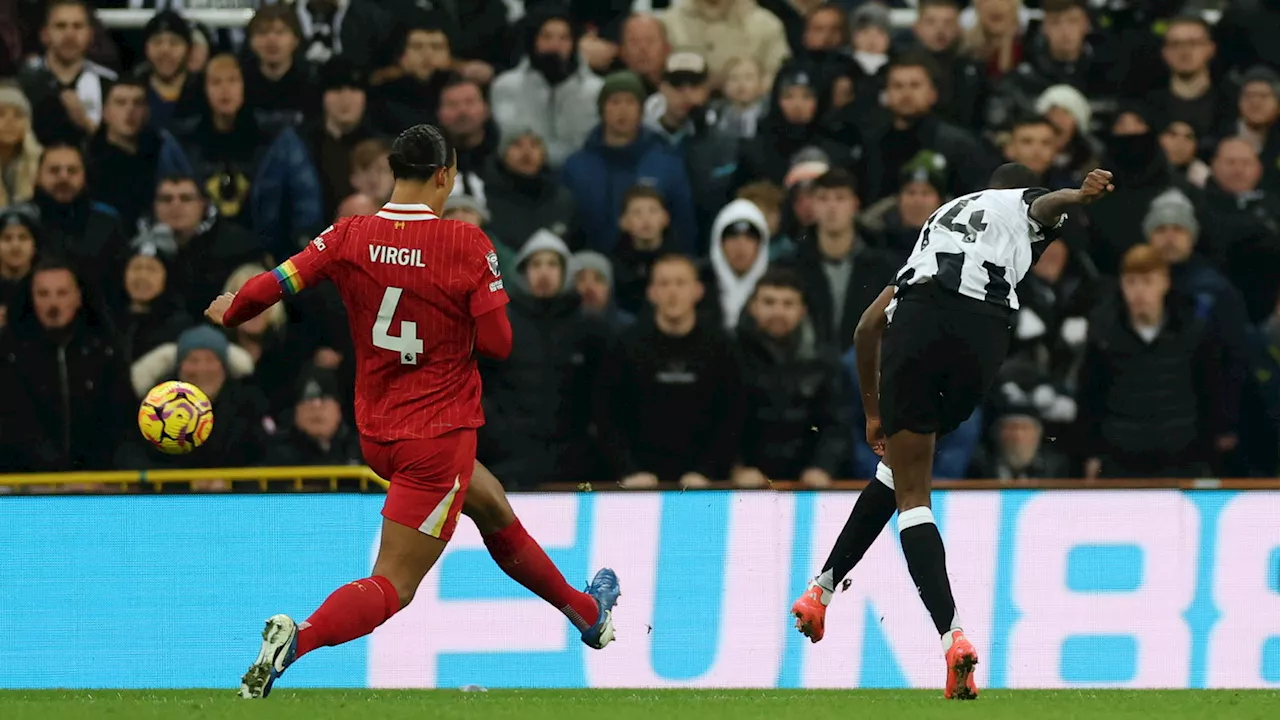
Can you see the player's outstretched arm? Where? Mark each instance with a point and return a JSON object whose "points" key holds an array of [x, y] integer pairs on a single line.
{"points": [[1048, 208]]}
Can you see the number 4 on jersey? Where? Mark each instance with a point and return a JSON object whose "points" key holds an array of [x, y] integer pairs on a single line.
{"points": [[407, 343]]}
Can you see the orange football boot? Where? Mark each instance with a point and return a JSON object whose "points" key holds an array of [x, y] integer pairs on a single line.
{"points": [[810, 613], [961, 659]]}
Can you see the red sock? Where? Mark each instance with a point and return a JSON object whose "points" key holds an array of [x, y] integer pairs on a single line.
{"points": [[520, 557], [352, 611]]}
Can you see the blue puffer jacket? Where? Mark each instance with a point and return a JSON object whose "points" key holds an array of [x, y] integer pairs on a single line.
{"points": [[287, 200], [600, 176]]}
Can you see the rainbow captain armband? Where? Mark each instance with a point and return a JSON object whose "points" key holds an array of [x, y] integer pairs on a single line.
{"points": [[286, 273]]}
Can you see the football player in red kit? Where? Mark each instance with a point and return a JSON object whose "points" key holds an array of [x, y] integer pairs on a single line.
{"points": [[423, 295]]}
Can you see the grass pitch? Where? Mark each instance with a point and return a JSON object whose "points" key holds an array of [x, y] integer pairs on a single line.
{"points": [[639, 705]]}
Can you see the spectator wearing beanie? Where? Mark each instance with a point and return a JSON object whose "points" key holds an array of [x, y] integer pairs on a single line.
{"points": [[1141, 175], [592, 276], [894, 223], [343, 124], [173, 93], [727, 29], [618, 154], [315, 432], [537, 401], [523, 193], [151, 313], [551, 91], [1017, 450], [203, 357], [19, 149], [1078, 152]]}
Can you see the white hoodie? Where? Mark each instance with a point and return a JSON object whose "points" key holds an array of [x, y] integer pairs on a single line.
{"points": [[736, 290]]}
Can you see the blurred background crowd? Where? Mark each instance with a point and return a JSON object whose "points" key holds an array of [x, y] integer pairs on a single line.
{"points": [[693, 202]]}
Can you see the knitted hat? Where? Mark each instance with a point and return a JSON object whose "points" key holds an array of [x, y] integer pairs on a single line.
{"points": [[871, 15], [340, 73], [202, 337], [1069, 99], [11, 96], [468, 202], [167, 21], [794, 75], [25, 214], [1171, 208], [926, 166], [1262, 74], [591, 260], [513, 132], [317, 384], [619, 82]]}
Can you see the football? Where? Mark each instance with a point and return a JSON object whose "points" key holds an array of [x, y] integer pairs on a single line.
{"points": [[175, 417]]}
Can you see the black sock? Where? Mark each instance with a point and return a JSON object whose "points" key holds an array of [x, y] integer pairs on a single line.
{"points": [[875, 505], [927, 561]]}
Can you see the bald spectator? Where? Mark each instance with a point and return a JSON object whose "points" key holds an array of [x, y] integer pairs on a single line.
{"points": [[1245, 222], [721, 29], [644, 49], [551, 90], [357, 204]]}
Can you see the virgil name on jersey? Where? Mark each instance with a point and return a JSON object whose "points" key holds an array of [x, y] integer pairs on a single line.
{"points": [[980, 245]]}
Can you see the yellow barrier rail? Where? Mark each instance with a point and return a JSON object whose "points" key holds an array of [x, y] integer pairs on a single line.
{"points": [[297, 479]]}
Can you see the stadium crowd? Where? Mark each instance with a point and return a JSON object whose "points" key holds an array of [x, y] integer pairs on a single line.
{"points": [[693, 202]]}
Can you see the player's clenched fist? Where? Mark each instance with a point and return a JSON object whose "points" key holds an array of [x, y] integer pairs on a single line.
{"points": [[218, 308], [1095, 185]]}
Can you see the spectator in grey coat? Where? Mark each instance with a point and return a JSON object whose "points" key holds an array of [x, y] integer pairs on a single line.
{"points": [[551, 89]]}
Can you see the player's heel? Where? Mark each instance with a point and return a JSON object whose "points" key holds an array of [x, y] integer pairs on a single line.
{"points": [[962, 658], [278, 651]]}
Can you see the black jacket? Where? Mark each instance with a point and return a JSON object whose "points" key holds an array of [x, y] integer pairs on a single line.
{"points": [[86, 233], [519, 206], [66, 396], [291, 447], [206, 260], [670, 405], [796, 412], [1160, 401], [332, 158], [125, 181], [1247, 228], [143, 331], [399, 104], [1016, 93], [873, 270], [537, 402], [282, 103], [969, 165]]}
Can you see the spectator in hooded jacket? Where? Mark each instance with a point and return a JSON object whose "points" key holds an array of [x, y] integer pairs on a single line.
{"points": [[620, 153], [19, 150], [669, 403], [792, 125], [523, 194], [1151, 389], [724, 28], [127, 155], [537, 401], [151, 312], [255, 178], [65, 394], [739, 257], [551, 90], [592, 276], [314, 431], [797, 424], [20, 233]]}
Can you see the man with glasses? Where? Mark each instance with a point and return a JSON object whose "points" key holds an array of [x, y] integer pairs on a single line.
{"points": [[1192, 96], [209, 247]]}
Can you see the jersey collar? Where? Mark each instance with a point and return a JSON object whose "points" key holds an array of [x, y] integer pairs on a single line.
{"points": [[406, 212]]}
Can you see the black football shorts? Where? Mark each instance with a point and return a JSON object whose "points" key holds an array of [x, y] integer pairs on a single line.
{"points": [[938, 359]]}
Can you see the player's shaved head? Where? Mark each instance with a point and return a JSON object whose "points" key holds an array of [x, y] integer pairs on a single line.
{"points": [[1013, 175], [420, 152]]}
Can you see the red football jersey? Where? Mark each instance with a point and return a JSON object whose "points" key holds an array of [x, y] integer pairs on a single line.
{"points": [[413, 285]]}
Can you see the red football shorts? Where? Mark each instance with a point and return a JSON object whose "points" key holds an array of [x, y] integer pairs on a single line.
{"points": [[429, 479]]}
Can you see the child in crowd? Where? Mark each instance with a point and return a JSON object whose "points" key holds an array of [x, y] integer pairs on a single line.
{"points": [[745, 97]]}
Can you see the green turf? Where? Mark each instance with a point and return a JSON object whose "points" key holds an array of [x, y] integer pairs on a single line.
{"points": [[640, 705]]}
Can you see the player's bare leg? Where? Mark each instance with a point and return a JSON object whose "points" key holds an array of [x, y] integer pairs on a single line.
{"points": [[405, 556], [912, 455], [872, 511], [524, 561]]}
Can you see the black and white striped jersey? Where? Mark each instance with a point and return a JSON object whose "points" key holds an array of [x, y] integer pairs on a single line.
{"points": [[980, 245]]}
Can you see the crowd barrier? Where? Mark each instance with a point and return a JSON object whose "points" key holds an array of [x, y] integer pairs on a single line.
{"points": [[1118, 588]]}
